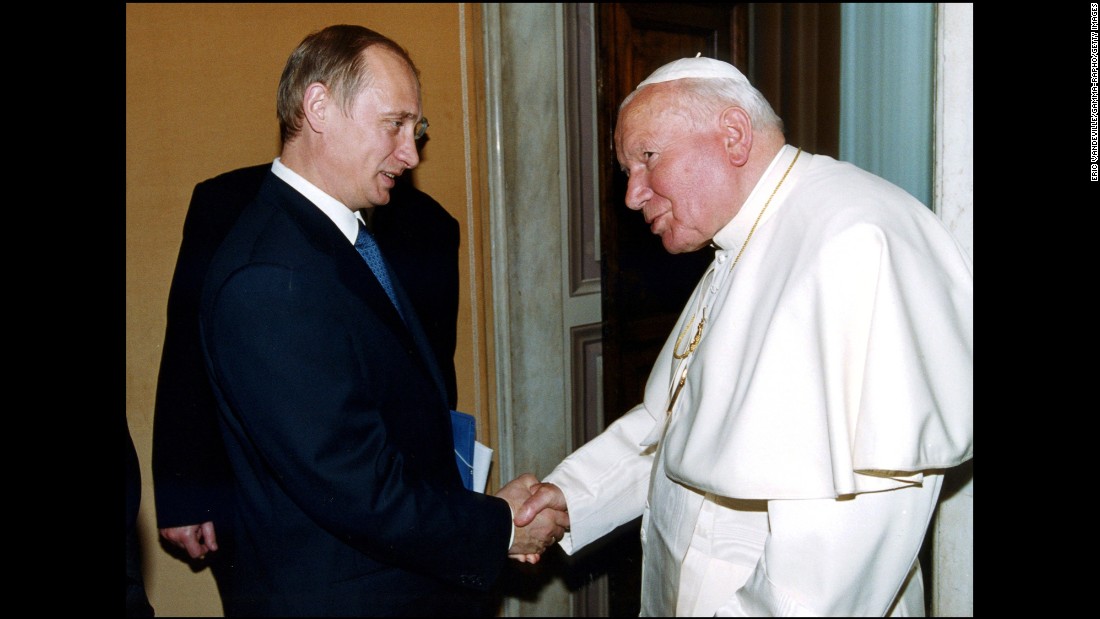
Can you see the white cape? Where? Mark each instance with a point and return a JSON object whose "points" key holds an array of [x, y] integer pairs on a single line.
{"points": [[837, 357]]}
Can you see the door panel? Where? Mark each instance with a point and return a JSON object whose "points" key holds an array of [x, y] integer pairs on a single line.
{"points": [[644, 286]]}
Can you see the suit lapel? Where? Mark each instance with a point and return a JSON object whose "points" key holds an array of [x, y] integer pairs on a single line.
{"points": [[412, 322], [357, 276]]}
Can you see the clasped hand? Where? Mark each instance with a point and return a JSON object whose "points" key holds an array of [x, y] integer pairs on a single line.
{"points": [[539, 513], [195, 539]]}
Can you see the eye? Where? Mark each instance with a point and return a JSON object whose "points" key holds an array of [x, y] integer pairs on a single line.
{"points": [[393, 126]]}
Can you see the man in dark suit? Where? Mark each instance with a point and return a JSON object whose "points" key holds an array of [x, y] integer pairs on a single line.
{"points": [[190, 471], [192, 481], [333, 410]]}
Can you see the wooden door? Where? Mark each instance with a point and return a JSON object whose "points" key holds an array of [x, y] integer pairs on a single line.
{"points": [[645, 287]]}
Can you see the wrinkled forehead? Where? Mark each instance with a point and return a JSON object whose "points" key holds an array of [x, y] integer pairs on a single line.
{"points": [[655, 111]]}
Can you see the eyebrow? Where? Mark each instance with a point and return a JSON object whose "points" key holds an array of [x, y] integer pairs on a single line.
{"points": [[399, 114]]}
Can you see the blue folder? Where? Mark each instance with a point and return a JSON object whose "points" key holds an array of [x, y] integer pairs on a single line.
{"points": [[464, 426]]}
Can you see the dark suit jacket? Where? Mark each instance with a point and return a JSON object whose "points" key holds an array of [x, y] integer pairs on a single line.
{"points": [[335, 420], [420, 240]]}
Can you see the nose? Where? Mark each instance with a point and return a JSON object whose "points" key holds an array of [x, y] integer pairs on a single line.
{"points": [[637, 191], [406, 151]]}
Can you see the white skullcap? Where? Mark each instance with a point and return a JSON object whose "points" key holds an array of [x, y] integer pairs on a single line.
{"points": [[706, 68]]}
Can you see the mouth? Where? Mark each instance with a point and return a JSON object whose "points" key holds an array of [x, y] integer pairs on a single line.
{"points": [[655, 223]]}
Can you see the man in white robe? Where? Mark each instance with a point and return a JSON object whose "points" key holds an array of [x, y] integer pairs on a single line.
{"points": [[790, 447]]}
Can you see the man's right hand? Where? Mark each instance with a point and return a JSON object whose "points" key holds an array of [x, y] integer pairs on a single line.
{"points": [[545, 501], [538, 532], [543, 496], [195, 539]]}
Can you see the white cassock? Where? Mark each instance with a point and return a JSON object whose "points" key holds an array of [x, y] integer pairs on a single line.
{"points": [[833, 382]]}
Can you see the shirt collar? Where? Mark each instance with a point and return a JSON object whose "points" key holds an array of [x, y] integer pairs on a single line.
{"points": [[345, 219]]}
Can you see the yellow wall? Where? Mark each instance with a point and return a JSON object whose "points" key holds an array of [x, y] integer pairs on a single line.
{"points": [[200, 100]]}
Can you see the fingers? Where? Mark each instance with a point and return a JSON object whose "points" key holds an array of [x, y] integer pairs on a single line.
{"points": [[514, 493], [518, 490], [549, 525], [544, 531], [545, 496], [196, 539], [529, 541], [539, 515], [208, 537], [529, 481], [185, 538]]}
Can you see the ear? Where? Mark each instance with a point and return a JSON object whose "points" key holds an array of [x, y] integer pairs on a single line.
{"points": [[315, 105], [737, 129]]}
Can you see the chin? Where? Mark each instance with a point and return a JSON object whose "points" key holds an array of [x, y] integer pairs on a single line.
{"points": [[382, 198], [672, 247]]}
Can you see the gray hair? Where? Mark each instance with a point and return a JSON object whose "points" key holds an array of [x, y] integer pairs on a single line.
{"points": [[716, 94]]}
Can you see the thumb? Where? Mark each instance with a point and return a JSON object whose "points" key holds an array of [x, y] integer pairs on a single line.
{"points": [[530, 508], [209, 536]]}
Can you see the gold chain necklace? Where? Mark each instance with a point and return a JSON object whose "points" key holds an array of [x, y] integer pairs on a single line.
{"points": [[703, 313]]}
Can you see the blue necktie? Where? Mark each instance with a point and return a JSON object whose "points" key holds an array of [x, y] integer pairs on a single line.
{"points": [[368, 249]]}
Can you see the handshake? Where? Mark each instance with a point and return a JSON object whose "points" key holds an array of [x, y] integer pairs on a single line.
{"points": [[539, 514]]}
